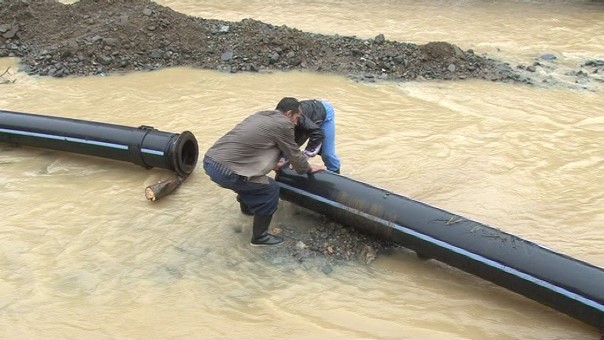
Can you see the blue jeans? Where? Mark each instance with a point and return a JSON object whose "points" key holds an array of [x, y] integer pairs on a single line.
{"points": [[261, 199], [328, 150]]}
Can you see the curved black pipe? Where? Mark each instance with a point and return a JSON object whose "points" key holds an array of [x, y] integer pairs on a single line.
{"points": [[571, 286], [143, 145]]}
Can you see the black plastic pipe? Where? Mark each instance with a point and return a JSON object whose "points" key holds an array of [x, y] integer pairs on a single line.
{"points": [[571, 286], [142, 145]]}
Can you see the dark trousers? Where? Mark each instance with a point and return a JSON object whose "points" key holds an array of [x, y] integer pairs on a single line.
{"points": [[261, 199]]}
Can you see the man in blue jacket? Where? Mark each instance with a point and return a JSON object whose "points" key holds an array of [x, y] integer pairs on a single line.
{"points": [[317, 126]]}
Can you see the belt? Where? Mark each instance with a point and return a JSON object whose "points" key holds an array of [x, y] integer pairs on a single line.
{"points": [[223, 169]]}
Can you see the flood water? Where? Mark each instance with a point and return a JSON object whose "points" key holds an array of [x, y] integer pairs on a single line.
{"points": [[83, 254]]}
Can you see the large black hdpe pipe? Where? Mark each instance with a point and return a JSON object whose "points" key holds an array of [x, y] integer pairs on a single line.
{"points": [[571, 286], [142, 145]]}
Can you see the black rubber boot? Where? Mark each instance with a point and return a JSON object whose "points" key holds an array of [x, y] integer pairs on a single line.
{"points": [[260, 236], [243, 207]]}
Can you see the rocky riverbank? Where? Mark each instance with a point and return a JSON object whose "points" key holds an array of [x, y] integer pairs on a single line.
{"points": [[98, 37], [94, 37]]}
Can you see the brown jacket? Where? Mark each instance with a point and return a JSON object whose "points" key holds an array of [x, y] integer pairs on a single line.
{"points": [[253, 147]]}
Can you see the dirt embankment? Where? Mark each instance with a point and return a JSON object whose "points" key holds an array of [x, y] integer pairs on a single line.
{"points": [[104, 36], [94, 37]]}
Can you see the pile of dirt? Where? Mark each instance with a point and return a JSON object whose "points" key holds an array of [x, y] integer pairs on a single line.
{"points": [[321, 240], [93, 37]]}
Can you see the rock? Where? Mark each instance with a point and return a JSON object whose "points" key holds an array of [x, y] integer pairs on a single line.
{"points": [[301, 245], [368, 255], [11, 33], [226, 56], [326, 269]]}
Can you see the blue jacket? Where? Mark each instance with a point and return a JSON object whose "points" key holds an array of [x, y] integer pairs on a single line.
{"points": [[309, 124]]}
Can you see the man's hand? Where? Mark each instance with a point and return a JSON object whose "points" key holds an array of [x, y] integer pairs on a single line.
{"points": [[312, 150], [281, 163], [316, 168]]}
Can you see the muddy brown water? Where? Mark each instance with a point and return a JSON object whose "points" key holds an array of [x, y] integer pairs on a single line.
{"points": [[83, 254]]}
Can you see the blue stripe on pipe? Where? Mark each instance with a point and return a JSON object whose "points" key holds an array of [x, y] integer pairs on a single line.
{"points": [[78, 140], [153, 152], [456, 249], [65, 138]]}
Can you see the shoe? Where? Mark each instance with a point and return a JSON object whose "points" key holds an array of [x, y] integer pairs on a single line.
{"points": [[244, 209], [260, 235], [266, 239]]}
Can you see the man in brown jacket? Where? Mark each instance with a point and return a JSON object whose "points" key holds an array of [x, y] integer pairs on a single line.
{"points": [[241, 160]]}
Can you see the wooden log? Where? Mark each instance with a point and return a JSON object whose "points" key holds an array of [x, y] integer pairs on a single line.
{"points": [[163, 188]]}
